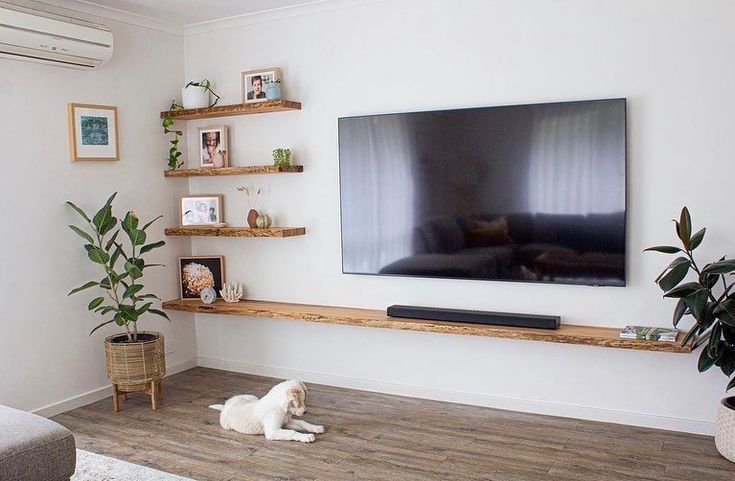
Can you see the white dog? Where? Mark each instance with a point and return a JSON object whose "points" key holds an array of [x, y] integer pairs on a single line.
{"points": [[249, 415]]}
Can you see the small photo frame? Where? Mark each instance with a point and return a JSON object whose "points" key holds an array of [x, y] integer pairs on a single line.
{"points": [[253, 83], [201, 210], [93, 133], [213, 147], [198, 273]]}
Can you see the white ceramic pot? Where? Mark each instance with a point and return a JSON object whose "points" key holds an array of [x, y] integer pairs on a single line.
{"points": [[194, 97], [725, 429]]}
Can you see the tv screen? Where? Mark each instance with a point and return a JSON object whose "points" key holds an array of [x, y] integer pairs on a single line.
{"points": [[532, 193]]}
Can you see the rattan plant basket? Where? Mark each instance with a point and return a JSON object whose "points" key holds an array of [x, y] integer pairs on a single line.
{"points": [[132, 366]]}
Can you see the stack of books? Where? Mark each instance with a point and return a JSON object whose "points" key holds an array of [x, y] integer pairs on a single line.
{"points": [[649, 333]]}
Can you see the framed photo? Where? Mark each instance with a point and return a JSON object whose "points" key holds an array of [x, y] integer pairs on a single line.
{"points": [[213, 147], [93, 132], [253, 83], [201, 210], [200, 272]]}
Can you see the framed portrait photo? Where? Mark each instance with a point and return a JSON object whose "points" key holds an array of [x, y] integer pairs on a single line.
{"points": [[93, 132], [201, 210], [253, 83], [213, 147], [198, 273]]}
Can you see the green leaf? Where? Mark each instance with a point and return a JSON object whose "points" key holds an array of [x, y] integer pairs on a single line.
{"points": [[697, 239], [105, 283], [714, 341], [122, 251], [725, 312], [690, 335], [95, 303], [132, 290], [730, 385], [111, 242], [151, 246], [705, 361], [149, 296], [720, 267], [133, 270], [728, 332], [727, 361], [143, 308], [664, 249], [679, 311], [85, 286], [153, 265], [102, 217], [684, 227], [151, 222], [159, 313], [137, 237], [108, 226], [98, 255], [674, 263], [683, 290], [101, 325], [697, 303], [82, 234], [130, 222], [675, 275], [110, 199], [79, 211], [127, 312]]}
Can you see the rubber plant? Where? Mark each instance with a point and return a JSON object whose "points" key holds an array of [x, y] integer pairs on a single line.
{"points": [[706, 297], [121, 286], [173, 152]]}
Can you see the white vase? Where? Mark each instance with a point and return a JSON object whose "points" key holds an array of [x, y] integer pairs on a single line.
{"points": [[725, 429], [194, 97]]}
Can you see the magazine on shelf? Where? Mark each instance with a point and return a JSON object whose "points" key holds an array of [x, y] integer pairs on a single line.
{"points": [[649, 333]]}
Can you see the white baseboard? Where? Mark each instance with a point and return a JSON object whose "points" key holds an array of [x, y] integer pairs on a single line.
{"points": [[101, 393], [472, 398]]}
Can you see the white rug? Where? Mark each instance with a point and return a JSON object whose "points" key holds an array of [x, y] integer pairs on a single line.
{"points": [[95, 467]]}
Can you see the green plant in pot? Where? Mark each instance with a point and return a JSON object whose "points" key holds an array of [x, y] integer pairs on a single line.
{"points": [[282, 158], [705, 293], [135, 360], [173, 152]]}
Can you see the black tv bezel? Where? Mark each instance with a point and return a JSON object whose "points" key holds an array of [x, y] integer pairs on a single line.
{"points": [[624, 281]]}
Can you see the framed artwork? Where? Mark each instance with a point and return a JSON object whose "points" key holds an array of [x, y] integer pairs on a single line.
{"points": [[93, 133], [201, 210], [253, 83], [200, 272], [213, 147]]}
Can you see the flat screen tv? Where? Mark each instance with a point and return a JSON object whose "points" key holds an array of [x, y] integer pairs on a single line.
{"points": [[532, 193]]}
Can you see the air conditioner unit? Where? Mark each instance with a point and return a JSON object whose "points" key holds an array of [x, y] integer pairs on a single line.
{"points": [[37, 36]]}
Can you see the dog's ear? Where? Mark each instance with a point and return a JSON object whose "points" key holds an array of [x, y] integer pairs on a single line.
{"points": [[303, 386]]}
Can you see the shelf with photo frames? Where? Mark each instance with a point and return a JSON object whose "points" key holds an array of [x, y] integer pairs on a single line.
{"points": [[265, 107], [240, 170]]}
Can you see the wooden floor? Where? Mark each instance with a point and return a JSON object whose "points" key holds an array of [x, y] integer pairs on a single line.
{"points": [[380, 437]]}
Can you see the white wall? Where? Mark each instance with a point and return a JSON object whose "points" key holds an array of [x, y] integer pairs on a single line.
{"points": [[667, 57], [46, 355]]}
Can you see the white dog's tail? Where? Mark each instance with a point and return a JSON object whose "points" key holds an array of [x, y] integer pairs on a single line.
{"points": [[218, 407]]}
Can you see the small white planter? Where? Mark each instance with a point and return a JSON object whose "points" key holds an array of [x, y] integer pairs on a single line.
{"points": [[725, 429], [194, 97]]}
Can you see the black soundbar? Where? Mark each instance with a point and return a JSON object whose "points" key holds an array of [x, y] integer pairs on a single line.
{"points": [[475, 317]]}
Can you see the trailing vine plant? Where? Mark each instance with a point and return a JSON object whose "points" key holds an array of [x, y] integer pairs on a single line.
{"points": [[173, 152]]}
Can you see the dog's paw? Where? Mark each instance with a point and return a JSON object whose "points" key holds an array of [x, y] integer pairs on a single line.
{"points": [[317, 429], [307, 438]]}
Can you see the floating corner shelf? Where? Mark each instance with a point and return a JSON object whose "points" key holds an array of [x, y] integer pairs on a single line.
{"points": [[206, 231], [234, 109], [241, 170]]}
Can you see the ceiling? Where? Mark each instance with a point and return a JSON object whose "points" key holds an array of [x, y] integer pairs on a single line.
{"points": [[187, 12]]}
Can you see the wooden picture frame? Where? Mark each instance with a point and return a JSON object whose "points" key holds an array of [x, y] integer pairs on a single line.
{"points": [[196, 276], [221, 156], [196, 217], [265, 74], [91, 137]]}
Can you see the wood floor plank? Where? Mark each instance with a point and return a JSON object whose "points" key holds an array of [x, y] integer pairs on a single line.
{"points": [[372, 436]]}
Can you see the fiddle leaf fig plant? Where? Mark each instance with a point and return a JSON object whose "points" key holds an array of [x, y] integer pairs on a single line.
{"points": [[121, 294], [173, 152], [706, 296]]}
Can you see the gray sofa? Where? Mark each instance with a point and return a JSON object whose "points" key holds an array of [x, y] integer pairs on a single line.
{"points": [[33, 448]]}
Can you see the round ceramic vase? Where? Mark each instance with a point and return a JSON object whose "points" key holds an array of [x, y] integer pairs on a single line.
{"points": [[725, 429]]}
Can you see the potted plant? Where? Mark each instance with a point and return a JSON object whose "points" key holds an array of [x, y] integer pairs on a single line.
{"points": [[173, 152], [135, 360], [709, 300], [195, 95], [282, 158]]}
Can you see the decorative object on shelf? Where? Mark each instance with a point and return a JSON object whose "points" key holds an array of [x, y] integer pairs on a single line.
{"points": [[263, 221], [200, 272], [135, 361], [208, 295], [232, 292], [93, 133], [712, 308], [173, 152], [273, 90], [254, 81], [213, 147], [252, 194], [195, 95], [282, 158], [205, 209]]}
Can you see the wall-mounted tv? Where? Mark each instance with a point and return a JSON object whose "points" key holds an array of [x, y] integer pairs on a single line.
{"points": [[532, 193]]}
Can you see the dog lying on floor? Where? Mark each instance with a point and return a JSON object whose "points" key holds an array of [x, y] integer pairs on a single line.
{"points": [[249, 415]]}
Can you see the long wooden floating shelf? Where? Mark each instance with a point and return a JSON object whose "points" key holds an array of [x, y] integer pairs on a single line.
{"points": [[234, 109], [566, 334], [206, 231], [244, 170]]}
